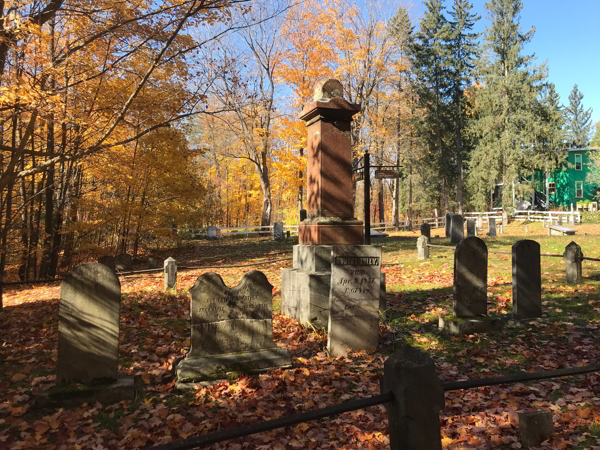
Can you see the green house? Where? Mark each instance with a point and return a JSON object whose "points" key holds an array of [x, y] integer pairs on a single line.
{"points": [[575, 181]]}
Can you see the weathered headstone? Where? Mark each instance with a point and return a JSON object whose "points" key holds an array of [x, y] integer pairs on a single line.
{"points": [[88, 325], [470, 278], [480, 223], [108, 261], [573, 263], [170, 271], [457, 230], [491, 226], [471, 228], [231, 329], [422, 248], [123, 262], [354, 298], [526, 280], [212, 233], [153, 263], [448, 227], [414, 415], [426, 230], [278, 231], [504, 219], [535, 427]]}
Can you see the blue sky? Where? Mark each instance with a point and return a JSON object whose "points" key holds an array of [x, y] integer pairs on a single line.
{"points": [[566, 37]]}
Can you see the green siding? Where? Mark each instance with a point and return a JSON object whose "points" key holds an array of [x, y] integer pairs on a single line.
{"points": [[566, 177]]}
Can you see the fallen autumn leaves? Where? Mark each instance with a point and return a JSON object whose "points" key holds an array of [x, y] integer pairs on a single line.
{"points": [[155, 332]]}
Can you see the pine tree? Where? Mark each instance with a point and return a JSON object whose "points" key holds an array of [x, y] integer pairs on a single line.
{"points": [[431, 62], [596, 140], [464, 51], [508, 109], [579, 120]]}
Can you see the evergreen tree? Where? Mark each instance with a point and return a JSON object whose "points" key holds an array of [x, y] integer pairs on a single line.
{"points": [[596, 140], [509, 123], [431, 66], [579, 120], [464, 51]]}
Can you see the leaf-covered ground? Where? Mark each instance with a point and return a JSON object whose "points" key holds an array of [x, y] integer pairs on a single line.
{"points": [[155, 332]]}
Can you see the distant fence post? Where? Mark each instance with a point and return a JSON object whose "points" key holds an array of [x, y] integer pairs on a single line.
{"points": [[414, 416], [170, 273]]}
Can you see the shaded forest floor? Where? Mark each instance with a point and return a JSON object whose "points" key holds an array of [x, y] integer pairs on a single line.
{"points": [[155, 332]]}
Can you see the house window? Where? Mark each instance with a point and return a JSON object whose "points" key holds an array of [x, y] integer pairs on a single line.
{"points": [[578, 160], [579, 189], [551, 188]]}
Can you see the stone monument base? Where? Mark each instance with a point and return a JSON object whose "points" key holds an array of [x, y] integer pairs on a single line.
{"points": [[305, 288], [330, 231], [124, 388], [217, 367]]}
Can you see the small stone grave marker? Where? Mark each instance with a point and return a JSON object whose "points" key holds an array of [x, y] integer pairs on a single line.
{"points": [[124, 262], [232, 329], [471, 228], [573, 263], [470, 278], [108, 261], [426, 230], [278, 231], [457, 230], [212, 233], [354, 298], [526, 280], [491, 226]]}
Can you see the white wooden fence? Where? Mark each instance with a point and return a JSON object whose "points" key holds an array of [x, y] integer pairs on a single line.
{"points": [[551, 217]]}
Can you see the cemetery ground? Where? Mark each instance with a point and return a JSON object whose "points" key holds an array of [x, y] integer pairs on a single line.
{"points": [[155, 332]]}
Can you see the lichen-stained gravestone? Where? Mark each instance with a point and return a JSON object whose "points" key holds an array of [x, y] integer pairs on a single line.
{"points": [[88, 325], [354, 298], [526, 280], [470, 278], [491, 226], [231, 329]]}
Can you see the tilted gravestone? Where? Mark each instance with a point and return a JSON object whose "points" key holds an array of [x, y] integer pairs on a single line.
{"points": [[470, 278], [88, 325], [108, 261], [573, 258], [278, 231], [426, 230], [448, 227], [232, 329], [471, 228], [354, 298], [123, 262], [526, 280], [457, 230], [491, 226]]}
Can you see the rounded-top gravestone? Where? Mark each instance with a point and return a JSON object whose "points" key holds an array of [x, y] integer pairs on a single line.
{"points": [[470, 278]]}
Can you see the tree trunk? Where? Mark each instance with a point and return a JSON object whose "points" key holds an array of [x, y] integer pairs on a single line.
{"points": [[265, 185]]}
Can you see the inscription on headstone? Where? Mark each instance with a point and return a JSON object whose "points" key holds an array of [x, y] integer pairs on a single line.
{"points": [[231, 328], [88, 324], [526, 280], [470, 278], [457, 230], [354, 298]]}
